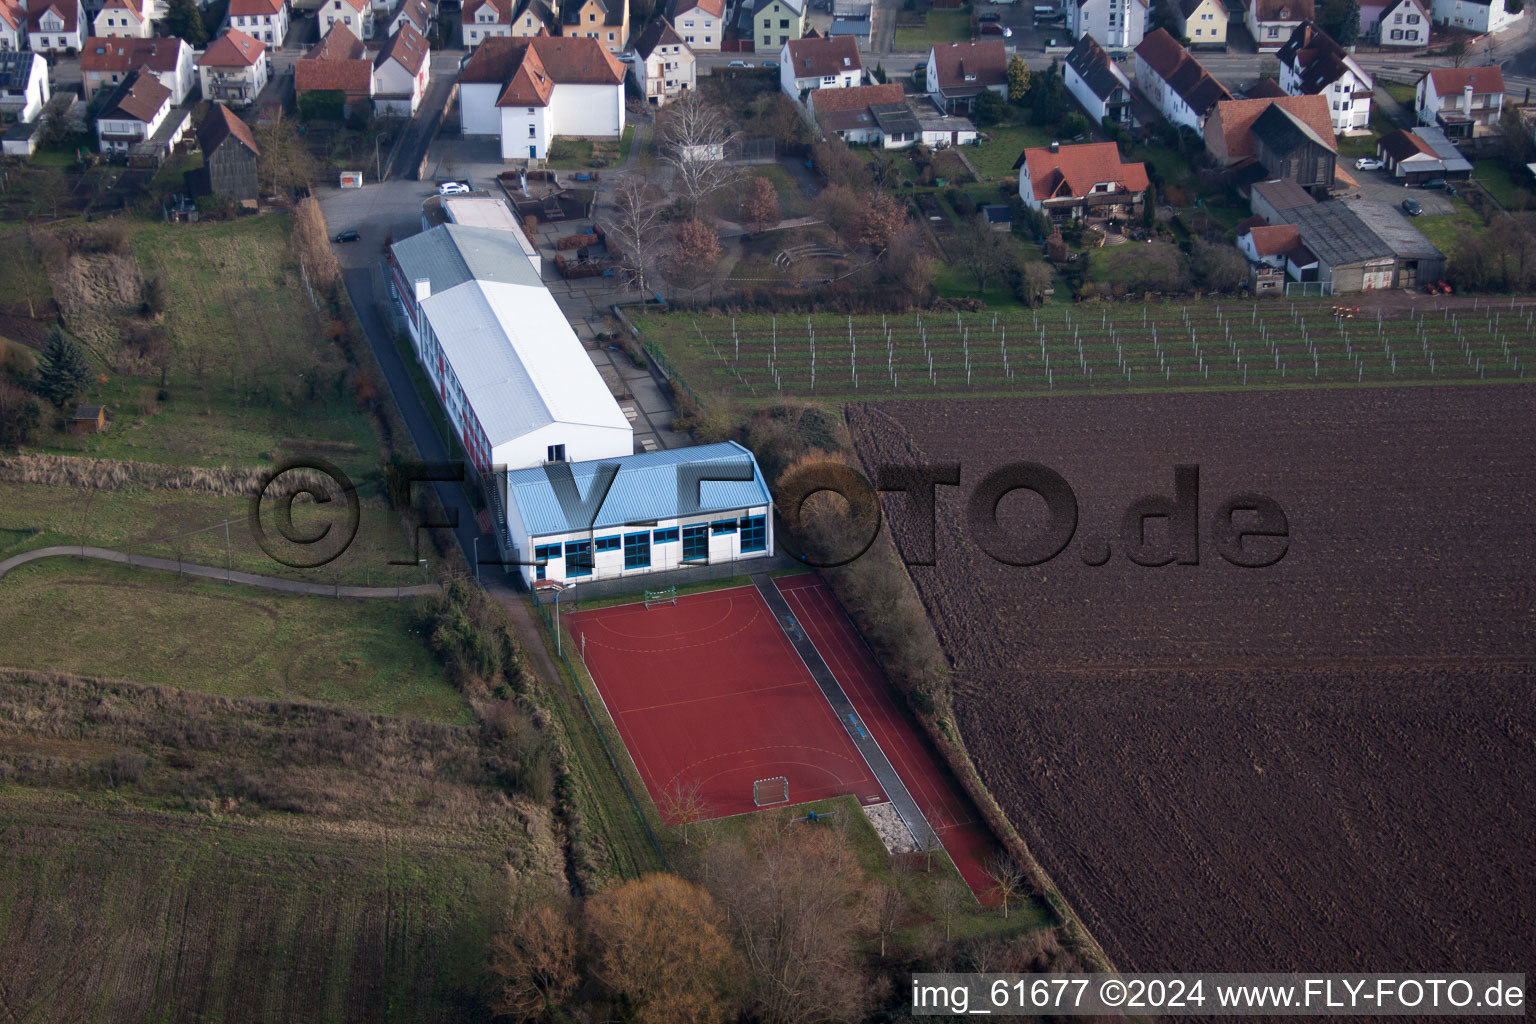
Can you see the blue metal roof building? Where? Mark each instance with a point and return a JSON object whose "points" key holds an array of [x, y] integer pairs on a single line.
{"points": [[639, 514]]}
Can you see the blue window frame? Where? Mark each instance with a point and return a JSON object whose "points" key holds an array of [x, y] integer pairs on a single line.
{"points": [[668, 536], [544, 552], [608, 543], [754, 533], [720, 526], [637, 550], [538, 572], [578, 558], [696, 543]]}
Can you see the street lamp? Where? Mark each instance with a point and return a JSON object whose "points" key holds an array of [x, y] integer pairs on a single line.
{"points": [[477, 558]]}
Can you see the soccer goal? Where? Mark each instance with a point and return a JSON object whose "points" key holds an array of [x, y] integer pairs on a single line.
{"points": [[666, 595], [767, 792]]}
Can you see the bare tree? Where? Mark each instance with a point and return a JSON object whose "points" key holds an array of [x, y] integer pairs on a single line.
{"points": [[683, 805], [635, 228], [1007, 878], [953, 897], [884, 906], [693, 134], [284, 162], [534, 961]]}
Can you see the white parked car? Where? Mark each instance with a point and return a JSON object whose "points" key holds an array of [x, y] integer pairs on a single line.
{"points": [[739, 64], [452, 188], [1368, 163]]}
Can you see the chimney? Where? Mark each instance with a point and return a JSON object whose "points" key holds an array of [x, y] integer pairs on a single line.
{"points": [[1466, 103], [1055, 146], [423, 288]]}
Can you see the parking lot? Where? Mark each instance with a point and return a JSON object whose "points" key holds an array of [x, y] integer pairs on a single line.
{"points": [[1028, 37], [1382, 186]]}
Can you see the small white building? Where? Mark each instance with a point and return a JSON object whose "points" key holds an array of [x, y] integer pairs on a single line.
{"points": [[233, 69], [528, 92], [264, 20], [1464, 102], [1474, 16], [1312, 64], [123, 19], [1176, 83], [519, 389], [357, 15], [1116, 24], [818, 62], [401, 72], [664, 67], [1403, 23], [701, 23], [24, 89], [55, 26], [106, 62], [134, 113], [1098, 84], [653, 512]]}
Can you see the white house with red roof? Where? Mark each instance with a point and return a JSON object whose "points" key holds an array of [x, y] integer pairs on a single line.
{"points": [[416, 13], [701, 23], [960, 72], [234, 68], [1465, 102], [1115, 24], [13, 26], [1077, 182], [106, 62], [528, 92], [401, 72], [357, 15], [1271, 22], [55, 26], [134, 112], [123, 19], [819, 62], [263, 20]]}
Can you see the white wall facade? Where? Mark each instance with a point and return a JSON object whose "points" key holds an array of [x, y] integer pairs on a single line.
{"points": [[483, 27], [1169, 103], [477, 108], [1205, 26], [235, 86], [525, 132], [1097, 108], [271, 29], [1474, 17], [121, 23], [13, 38], [27, 102], [1345, 111], [700, 29], [665, 76], [393, 79], [725, 546], [1114, 24], [588, 110], [1404, 24], [51, 34], [360, 22]]}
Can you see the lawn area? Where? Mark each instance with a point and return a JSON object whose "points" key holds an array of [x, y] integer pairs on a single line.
{"points": [[99, 619], [1121, 264], [580, 154], [1172, 168], [939, 27], [995, 157], [793, 201], [1511, 193], [1399, 91], [1445, 230]]}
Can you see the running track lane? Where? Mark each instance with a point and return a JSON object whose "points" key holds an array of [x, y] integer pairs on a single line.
{"points": [[938, 795]]}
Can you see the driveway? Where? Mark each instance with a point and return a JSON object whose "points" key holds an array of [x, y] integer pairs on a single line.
{"points": [[1382, 186]]}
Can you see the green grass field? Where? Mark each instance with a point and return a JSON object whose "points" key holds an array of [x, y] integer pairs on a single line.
{"points": [[1447, 230], [994, 158], [99, 619], [1502, 185], [940, 27], [758, 360]]}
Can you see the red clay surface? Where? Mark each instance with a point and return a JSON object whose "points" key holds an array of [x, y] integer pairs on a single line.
{"points": [[937, 793], [710, 690]]}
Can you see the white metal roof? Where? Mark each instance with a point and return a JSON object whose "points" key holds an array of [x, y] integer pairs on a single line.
{"points": [[518, 361], [489, 212]]}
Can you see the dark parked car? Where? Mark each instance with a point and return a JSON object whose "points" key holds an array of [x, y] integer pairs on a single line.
{"points": [[350, 235], [1434, 185], [990, 16], [1412, 208]]}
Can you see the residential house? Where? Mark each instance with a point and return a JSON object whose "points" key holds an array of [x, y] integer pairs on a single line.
{"points": [[55, 26], [1098, 84], [1088, 181], [959, 72], [135, 112], [24, 89], [337, 63], [845, 113], [1269, 250], [1409, 157], [123, 19], [234, 68], [1363, 245], [400, 73], [607, 21], [1271, 22], [1298, 139], [418, 14], [263, 20], [527, 92], [1311, 63], [1464, 102], [229, 155], [775, 22], [701, 23], [106, 62], [13, 26], [1202, 23], [1476, 16], [819, 62], [1402, 23], [481, 19], [664, 66], [1116, 24], [1177, 84], [357, 15]]}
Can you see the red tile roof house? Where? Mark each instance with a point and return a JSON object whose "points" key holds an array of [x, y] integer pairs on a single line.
{"points": [[1176, 83], [819, 62], [105, 62], [400, 73], [845, 113], [55, 26], [357, 15], [1311, 63], [1285, 137], [122, 19], [1086, 182], [527, 92], [337, 63], [233, 68], [1271, 22], [960, 72], [134, 112], [1464, 102], [264, 20], [13, 25]]}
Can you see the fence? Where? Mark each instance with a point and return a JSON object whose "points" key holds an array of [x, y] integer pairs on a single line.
{"points": [[597, 727]]}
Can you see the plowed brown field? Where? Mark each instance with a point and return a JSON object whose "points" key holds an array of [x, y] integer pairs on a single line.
{"points": [[1327, 764]]}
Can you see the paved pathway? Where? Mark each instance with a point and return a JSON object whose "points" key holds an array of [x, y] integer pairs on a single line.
{"points": [[879, 764], [211, 573]]}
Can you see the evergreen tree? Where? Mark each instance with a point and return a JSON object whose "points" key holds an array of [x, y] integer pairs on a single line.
{"points": [[1341, 20], [65, 372], [182, 18]]}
